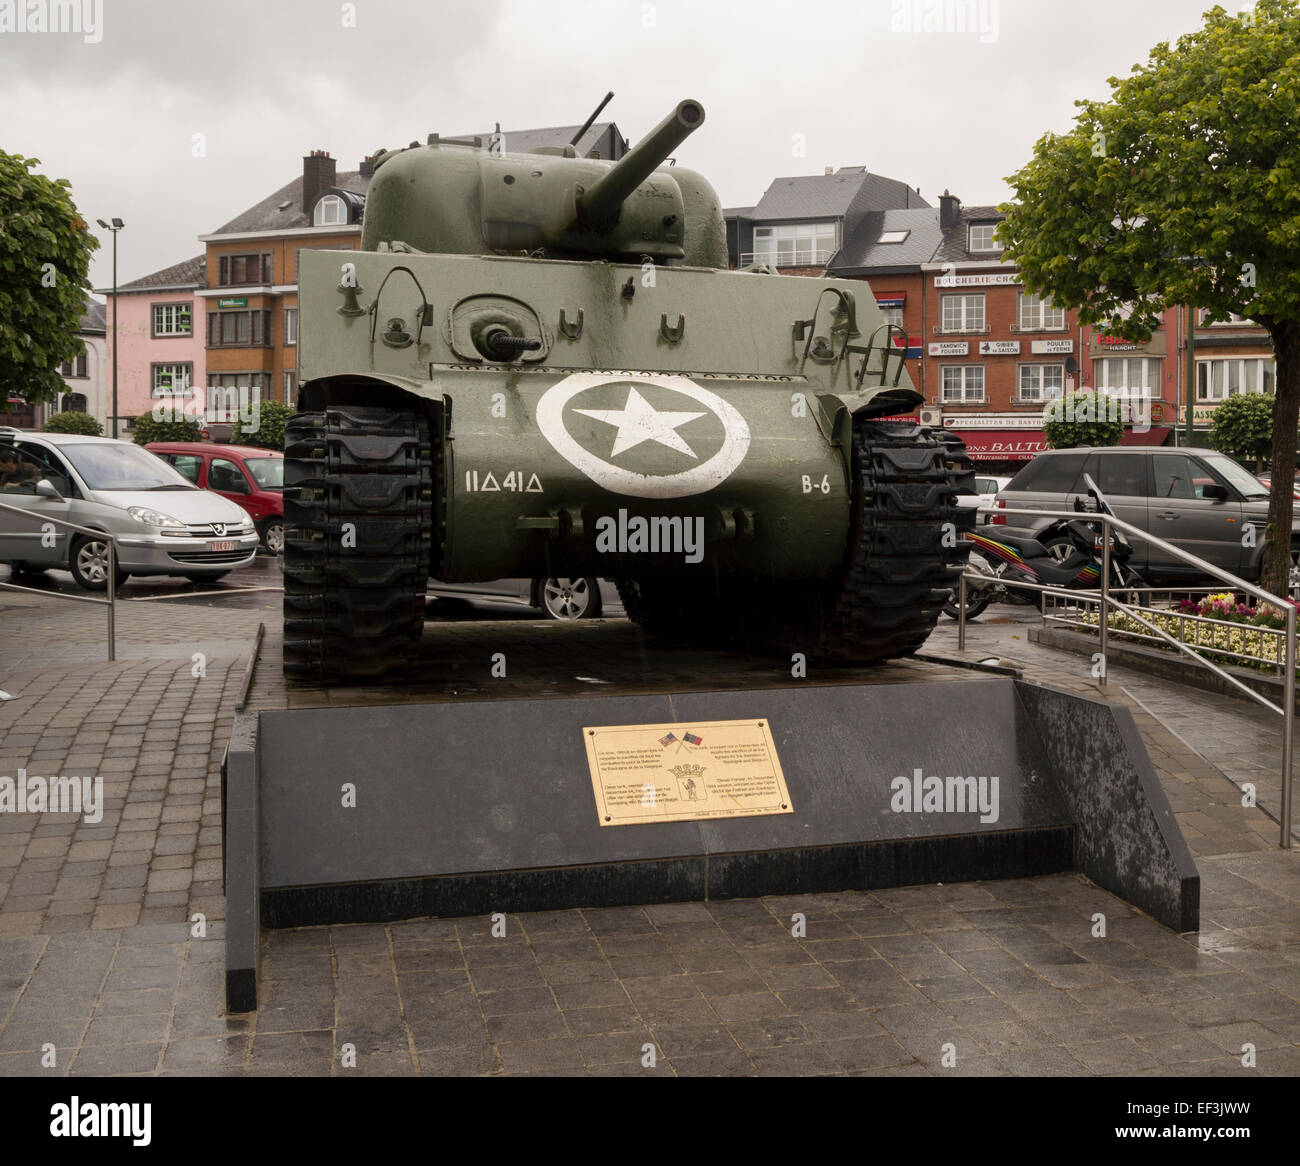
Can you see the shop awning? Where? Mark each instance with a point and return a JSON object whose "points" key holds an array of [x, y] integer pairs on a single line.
{"points": [[1153, 436], [1002, 445]]}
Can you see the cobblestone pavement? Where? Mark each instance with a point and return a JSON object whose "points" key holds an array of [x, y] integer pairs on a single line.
{"points": [[101, 957]]}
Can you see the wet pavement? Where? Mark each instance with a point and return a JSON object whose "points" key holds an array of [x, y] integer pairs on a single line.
{"points": [[111, 932]]}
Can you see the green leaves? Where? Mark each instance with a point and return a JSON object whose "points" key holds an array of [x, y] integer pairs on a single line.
{"points": [[45, 253], [1243, 426], [269, 434], [1083, 418]]}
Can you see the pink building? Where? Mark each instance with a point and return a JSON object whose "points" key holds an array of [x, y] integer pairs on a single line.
{"points": [[161, 351]]}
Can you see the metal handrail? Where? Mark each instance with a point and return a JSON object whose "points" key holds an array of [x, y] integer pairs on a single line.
{"points": [[110, 601], [1106, 601]]}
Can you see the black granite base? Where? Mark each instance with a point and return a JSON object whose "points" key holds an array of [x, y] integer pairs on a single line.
{"points": [[400, 811], [960, 858]]}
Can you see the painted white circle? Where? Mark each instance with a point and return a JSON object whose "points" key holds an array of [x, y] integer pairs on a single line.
{"points": [[696, 480]]}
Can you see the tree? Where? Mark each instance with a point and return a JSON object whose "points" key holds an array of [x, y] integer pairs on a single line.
{"points": [[173, 426], [269, 431], [73, 422], [1243, 427], [1083, 418], [44, 258], [1183, 188]]}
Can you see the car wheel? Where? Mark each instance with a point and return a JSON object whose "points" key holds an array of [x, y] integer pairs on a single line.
{"points": [[976, 602], [273, 535], [88, 562], [1059, 547], [569, 598]]}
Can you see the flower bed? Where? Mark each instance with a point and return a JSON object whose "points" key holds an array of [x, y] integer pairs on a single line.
{"points": [[1241, 634]]}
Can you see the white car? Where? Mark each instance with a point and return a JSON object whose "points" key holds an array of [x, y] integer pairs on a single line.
{"points": [[986, 490], [162, 523]]}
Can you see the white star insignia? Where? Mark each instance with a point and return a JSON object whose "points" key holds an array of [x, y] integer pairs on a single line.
{"points": [[639, 421]]}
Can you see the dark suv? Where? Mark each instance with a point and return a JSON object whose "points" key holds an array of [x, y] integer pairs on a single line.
{"points": [[1201, 501]]}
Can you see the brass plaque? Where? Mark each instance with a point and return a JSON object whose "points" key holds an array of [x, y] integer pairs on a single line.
{"points": [[685, 772]]}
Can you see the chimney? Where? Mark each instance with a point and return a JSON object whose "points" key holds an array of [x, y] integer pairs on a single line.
{"points": [[829, 170], [367, 167], [949, 208], [317, 177]]}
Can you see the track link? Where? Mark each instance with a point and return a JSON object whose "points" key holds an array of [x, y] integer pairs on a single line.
{"points": [[359, 522]]}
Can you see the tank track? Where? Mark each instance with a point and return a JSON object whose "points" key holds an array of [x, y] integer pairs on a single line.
{"points": [[354, 597], [887, 596]]}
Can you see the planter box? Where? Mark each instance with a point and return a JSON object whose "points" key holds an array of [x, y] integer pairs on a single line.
{"points": [[1169, 665]]}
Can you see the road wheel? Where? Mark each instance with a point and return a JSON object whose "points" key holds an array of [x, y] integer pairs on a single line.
{"points": [[88, 562], [569, 598], [272, 532]]}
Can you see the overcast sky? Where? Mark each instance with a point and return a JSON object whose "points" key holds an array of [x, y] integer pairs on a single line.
{"points": [[266, 81]]}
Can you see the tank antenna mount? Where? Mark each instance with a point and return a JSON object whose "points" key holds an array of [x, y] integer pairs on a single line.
{"points": [[595, 113]]}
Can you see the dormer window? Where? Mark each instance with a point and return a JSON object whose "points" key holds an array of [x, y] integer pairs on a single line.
{"points": [[330, 211], [981, 237]]}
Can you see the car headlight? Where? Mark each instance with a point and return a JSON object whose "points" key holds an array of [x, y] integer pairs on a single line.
{"points": [[155, 518]]}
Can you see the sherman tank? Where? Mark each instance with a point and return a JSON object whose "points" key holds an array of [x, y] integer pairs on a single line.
{"points": [[539, 365]]}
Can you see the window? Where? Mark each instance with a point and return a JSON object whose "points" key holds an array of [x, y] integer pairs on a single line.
{"points": [[795, 244], [1175, 476], [172, 320], [329, 211], [893, 236], [1128, 376], [892, 315], [981, 237], [73, 403], [963, 384], [76, 367], [291, 325], [172, 380], [225, 476], [1217, 380], [1050, 474], [239, 329], [1038, 315], [290, 386], [244, 270], [185, 464], [1041, 382], [230, 394], [1233, 320], [962, 313], [1118, 473]]}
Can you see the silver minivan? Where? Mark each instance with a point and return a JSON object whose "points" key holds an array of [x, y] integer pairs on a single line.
{"points": [[1198, 499], [162, 523]]}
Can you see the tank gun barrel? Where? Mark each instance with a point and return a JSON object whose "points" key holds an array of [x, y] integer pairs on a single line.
{"points": [[600, 204]]}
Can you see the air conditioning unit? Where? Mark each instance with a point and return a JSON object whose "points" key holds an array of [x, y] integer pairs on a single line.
{"points": [[932, 416]]}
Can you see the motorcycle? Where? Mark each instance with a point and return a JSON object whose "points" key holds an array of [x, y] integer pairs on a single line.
{"points": [[1066, 554]]}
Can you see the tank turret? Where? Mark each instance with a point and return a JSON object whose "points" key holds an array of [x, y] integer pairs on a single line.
{"points": [[473, 199]]}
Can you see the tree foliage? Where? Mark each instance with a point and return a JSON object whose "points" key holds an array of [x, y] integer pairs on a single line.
{"points": [[177, 427], [71, 421], [1243, 427], [45, 249], [1083, 418], [269, 433], [1183, 188]]}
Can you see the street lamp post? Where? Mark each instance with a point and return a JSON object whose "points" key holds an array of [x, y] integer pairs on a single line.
{"points": [[116, 226]]}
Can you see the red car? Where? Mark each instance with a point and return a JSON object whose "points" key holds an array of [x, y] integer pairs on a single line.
{"points": [[252, 477]]}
